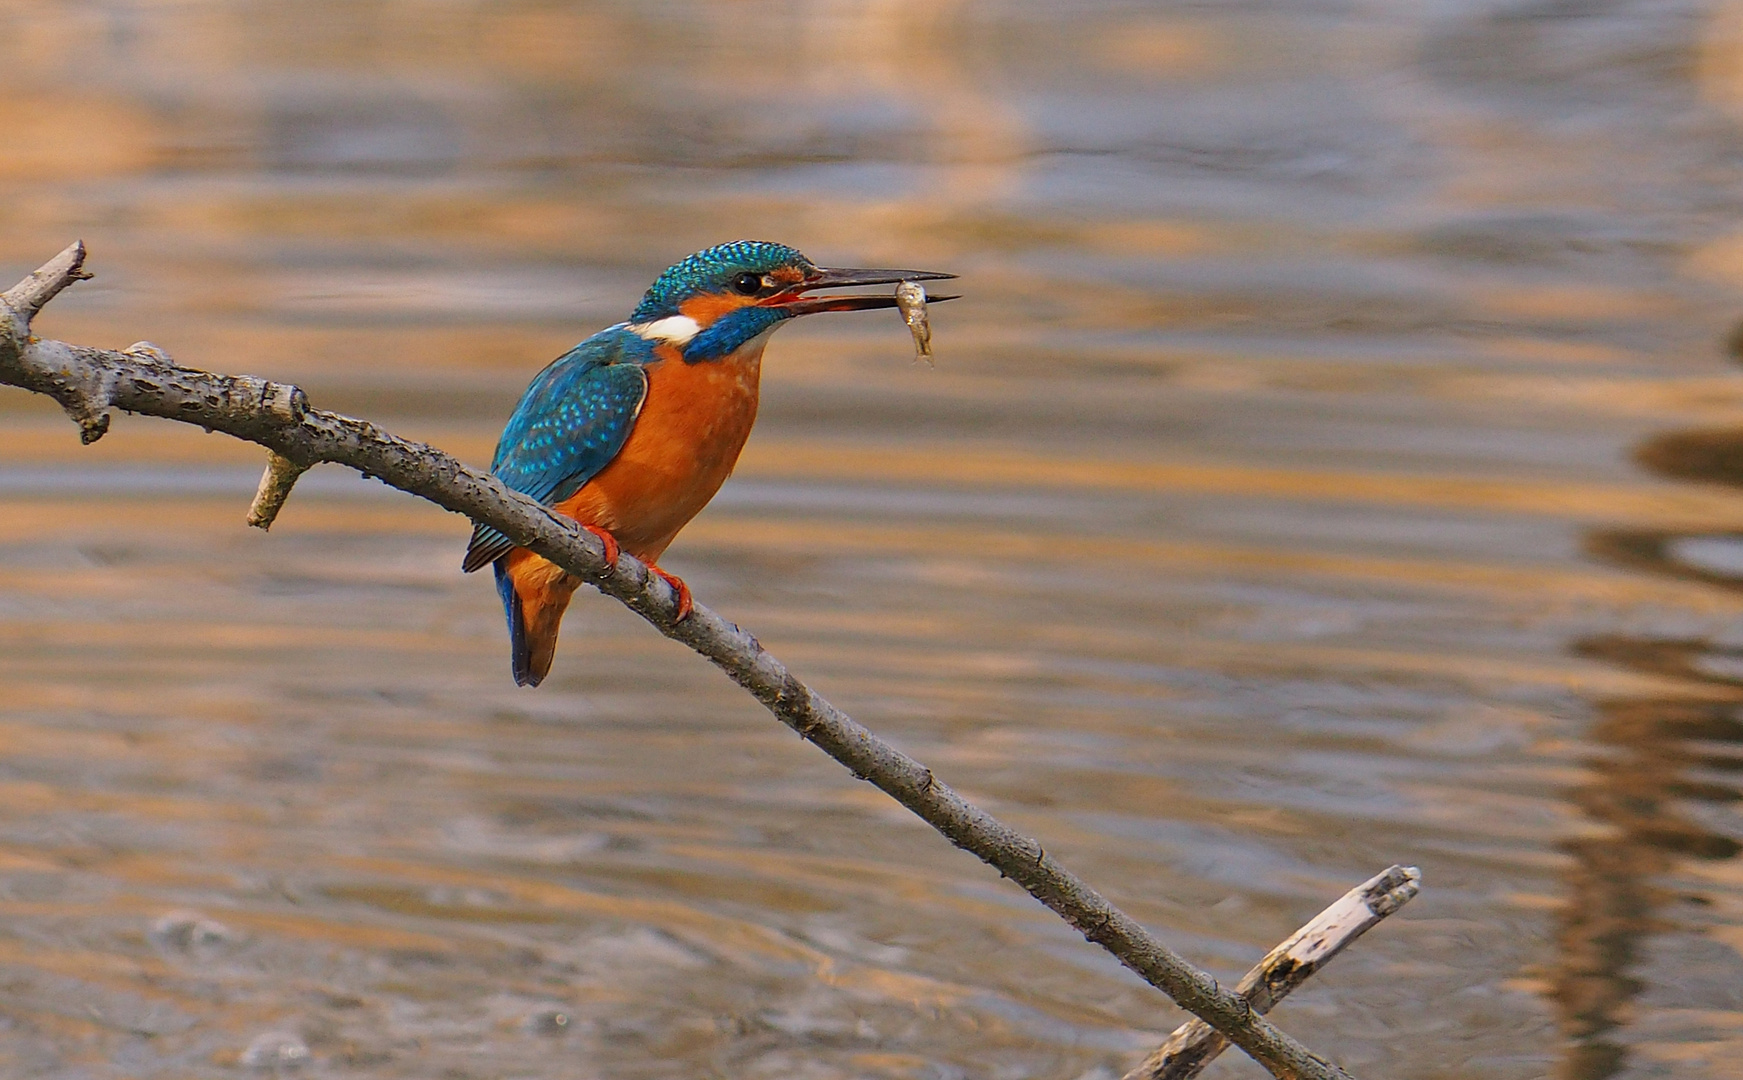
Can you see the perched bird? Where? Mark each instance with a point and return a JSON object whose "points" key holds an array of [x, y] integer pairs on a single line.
{"points": [[632, 431]]}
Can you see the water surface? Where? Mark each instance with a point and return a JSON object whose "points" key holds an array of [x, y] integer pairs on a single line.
{"points": [[1334, 463]]}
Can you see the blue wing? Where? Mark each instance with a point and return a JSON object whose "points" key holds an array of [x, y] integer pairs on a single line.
{"points": [[569, 424]]}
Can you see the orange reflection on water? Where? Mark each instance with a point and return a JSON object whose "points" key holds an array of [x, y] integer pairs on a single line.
{"points": [[1268, 519]]}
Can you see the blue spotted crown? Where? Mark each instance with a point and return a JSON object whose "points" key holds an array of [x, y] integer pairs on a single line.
{"points": [[708, 269]]}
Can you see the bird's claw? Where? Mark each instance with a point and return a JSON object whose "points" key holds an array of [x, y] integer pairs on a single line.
{"points": [[681, 590], [612, 550]]}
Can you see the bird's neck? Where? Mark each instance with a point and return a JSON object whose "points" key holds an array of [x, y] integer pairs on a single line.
{"points": [[723, 336]]}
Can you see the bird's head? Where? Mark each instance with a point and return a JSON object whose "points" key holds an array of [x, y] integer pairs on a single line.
{"points": [[717, 299]]}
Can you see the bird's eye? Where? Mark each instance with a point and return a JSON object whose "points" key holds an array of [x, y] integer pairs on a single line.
{"points": [[747, 284]]}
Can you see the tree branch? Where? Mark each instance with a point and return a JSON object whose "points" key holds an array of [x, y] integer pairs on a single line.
{"points": [[1196, 1044], [88, 382]]}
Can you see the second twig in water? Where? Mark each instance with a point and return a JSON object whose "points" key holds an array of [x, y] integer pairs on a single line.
{"points": [[1196, 1044]]}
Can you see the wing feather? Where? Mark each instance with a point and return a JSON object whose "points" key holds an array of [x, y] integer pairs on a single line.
{"points": [[570, 423]]}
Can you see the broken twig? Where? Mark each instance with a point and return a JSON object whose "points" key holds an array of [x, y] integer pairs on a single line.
{"points": [[89, 382], [1196, 1044], [275, 487]]}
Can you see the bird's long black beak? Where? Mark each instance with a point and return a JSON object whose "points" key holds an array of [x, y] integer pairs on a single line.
{"points": [[794, 301]]}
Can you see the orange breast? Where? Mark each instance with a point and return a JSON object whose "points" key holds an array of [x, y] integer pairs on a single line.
{"points": [[682, 448]]}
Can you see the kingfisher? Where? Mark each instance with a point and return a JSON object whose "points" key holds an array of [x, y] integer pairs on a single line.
{"points": [[632, 431]]}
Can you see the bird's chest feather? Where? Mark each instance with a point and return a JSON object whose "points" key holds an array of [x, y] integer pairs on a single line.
{"points": [[682, 448]]}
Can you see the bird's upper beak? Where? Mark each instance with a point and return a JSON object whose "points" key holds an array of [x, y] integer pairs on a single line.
{"points": [[794, 300]]}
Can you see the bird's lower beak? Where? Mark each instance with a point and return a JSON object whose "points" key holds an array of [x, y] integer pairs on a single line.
{"points": [[795, 302]]}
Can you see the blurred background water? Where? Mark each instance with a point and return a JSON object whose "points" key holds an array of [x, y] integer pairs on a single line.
{"points": [[1334, 462]]}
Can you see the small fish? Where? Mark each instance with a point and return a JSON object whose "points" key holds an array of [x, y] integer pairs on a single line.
{"points": [[911, 301]]}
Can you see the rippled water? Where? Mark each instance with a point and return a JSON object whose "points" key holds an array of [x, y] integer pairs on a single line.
{"points": [[1334, 463]]}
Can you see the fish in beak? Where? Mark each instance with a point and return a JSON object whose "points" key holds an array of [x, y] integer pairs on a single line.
{"points": [[794, 300]]}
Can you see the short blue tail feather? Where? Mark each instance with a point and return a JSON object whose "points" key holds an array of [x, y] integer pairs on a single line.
{"points": [[519, 652]]}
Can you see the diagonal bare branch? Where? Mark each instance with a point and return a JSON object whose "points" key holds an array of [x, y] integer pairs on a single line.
{"points": [[1196, 1044], [88, 382]]}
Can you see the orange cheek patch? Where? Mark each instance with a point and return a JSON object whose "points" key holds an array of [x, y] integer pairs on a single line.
{"points": [[711, 306]]}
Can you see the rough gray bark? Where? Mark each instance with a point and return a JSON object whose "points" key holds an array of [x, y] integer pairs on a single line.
{"points": [[1196, 1044], [90, 382]]}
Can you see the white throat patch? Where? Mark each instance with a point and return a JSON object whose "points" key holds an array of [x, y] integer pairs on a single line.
{"points": [[673, 329]]}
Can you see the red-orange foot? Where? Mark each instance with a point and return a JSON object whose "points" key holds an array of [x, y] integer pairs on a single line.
{"points": [[678, 587], [611, 549]]}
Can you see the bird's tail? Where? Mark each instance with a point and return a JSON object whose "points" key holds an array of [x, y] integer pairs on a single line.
{"points": [[534, 594], [519, 656]]}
